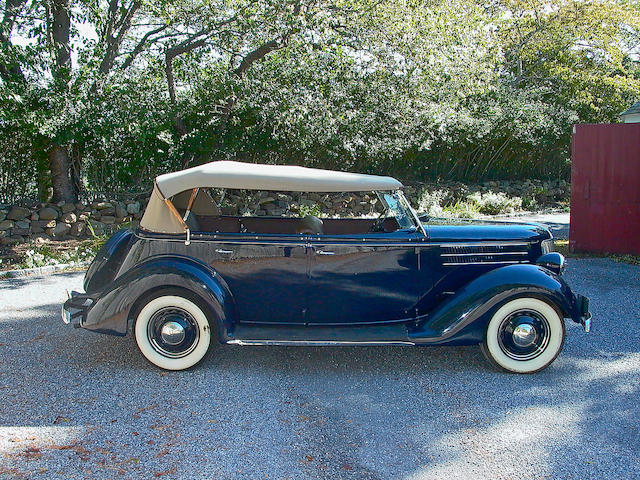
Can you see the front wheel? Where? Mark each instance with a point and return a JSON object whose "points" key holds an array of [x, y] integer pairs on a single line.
{"points": [[172, 332], [525, 335]]}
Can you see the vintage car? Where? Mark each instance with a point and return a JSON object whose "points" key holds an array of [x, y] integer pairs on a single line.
{"points": [[189, 275]]}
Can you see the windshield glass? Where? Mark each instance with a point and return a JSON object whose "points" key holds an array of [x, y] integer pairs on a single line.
{"points": [[397, 208]]}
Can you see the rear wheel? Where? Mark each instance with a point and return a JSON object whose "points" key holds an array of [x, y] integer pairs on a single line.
{"points": [[172, 332], [525, 335]]}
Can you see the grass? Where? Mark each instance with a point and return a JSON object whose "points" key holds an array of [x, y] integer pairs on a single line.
{"points": [[562, 246], [632, 259]]}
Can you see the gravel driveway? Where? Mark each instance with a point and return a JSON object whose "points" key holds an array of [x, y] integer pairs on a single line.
{"points": [[75, 404]]}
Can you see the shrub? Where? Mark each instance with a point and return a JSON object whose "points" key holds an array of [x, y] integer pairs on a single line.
{"points": [[431, 202], [461, 209], [44, 255], [491, 203], [529, 203]]}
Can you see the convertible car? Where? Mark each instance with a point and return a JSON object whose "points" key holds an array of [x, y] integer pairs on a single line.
{"points": [[189, 276]]}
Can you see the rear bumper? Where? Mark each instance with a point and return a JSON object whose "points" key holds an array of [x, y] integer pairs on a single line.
{"points": [[585, 315], [75, 309]]}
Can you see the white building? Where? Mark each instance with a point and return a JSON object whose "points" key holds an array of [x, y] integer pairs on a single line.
{"points": [[632, 114]]}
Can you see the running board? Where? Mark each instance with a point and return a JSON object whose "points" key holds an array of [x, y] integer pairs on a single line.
{"points": [[314, 343], [365, 335]]}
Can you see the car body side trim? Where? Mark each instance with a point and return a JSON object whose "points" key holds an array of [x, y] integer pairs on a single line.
{"points": [[500, 262], [324, 343], [259, 240], [485, 254]]}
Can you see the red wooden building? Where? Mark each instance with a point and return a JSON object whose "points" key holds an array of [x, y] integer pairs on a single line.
{"points": [[605, 188]]}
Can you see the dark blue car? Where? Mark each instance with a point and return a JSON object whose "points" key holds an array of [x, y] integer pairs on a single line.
{"points": [[189, 275]]}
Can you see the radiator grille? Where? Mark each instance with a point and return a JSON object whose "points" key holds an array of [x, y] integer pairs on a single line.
{"points": [[485, 254]]}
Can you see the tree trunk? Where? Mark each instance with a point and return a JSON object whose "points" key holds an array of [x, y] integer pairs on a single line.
{"points": [[75, 169], [60, 179], [59, 161], [42, 170], [61, 30]]}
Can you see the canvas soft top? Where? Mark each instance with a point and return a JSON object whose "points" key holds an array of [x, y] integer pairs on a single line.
{"points": [[162, 216], [227, 174]]}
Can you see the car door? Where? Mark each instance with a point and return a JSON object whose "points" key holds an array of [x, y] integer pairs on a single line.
{"points": [[266, 274], [371, 278]]}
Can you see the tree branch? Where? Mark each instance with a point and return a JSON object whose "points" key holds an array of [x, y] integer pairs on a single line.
{"points": [[141, 44], [111, 13], [10, 71], [114, 42], [255, 55], [11, 11]]}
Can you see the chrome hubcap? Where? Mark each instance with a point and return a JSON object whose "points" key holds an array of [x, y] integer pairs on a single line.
{"points": [[524, 335], [172, 333]]}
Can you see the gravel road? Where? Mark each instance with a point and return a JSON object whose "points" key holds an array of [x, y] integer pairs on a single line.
{"points": [[74, 404]]}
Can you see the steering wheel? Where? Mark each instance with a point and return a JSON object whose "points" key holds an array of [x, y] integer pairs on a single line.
{"points": [[378, 224]]}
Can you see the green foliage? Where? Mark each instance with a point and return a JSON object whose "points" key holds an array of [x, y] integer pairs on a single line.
{"points": [[420, 90], [431, 202], [45, 255], [529, 203], [461, 209], [305, 210], [491, 203], [42, 255]]}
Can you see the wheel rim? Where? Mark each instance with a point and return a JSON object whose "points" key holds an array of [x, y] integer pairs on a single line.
{"points": [[173, 332], [524, 334]]}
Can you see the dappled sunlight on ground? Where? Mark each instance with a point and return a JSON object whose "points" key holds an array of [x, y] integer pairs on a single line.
{"points": [[612, 366], [516, 446], [537, 434], [20, 438], [22, 445]]}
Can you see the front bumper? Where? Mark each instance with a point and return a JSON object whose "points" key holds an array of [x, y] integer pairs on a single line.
{"points": [[585, 315], [74, 310]]}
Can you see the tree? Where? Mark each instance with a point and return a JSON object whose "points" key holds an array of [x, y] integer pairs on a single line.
{"points": [[104, 94], [41, 71]]}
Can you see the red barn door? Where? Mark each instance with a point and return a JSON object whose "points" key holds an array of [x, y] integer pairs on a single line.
{"points": [[605, 188]]}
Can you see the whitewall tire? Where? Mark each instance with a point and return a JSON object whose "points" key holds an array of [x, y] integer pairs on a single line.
{"points": [[172, 332], [525, 335]]}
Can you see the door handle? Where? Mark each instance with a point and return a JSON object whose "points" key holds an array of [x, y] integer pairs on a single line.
{"points": [[324, 252], [220, 250]]}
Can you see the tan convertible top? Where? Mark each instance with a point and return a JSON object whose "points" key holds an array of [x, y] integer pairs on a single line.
{"points": [[161, 214], [288, 178]]}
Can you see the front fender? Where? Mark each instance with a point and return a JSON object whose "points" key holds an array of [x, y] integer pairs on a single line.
{"points": [[111, 309], [463, 318]]}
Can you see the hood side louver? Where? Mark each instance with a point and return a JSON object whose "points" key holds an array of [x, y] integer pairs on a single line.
{"points": [[503, 253]]}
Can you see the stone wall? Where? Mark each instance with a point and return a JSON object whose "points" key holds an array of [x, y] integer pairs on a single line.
{"points": [[31, 220], [19, 223]]}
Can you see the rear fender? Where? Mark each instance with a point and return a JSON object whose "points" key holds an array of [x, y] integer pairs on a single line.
{"points": [[108, 261], [112, 309], [463, 318]]}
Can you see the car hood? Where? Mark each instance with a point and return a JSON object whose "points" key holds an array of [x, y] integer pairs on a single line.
{"points": [[441, 229]]}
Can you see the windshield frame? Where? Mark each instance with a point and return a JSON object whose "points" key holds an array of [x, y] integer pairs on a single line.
{"points": [[404, 208]]}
